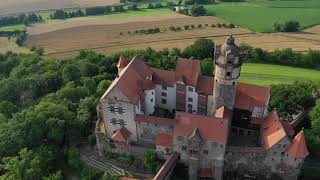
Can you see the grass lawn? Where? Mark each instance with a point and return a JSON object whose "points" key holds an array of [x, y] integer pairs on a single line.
{"points": [[13, 27], [259, 15], [266, 74]]}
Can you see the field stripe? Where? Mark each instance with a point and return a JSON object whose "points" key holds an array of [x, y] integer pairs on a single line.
{"points": [[144, 42]]}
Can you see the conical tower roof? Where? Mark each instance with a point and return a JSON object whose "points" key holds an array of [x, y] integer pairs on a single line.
{"points": [[298, 146], [122, 62]]}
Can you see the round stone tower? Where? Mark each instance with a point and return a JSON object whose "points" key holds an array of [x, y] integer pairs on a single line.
{"points": [[228, 61]]}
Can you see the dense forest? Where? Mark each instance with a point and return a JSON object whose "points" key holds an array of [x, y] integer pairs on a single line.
{"points": [[47, 107]]}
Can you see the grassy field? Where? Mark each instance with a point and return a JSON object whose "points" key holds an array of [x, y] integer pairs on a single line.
{"points": [[266, 74], [13, 28], [259, 15], [6, 45]]}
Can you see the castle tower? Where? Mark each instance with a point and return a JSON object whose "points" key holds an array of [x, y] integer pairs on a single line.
{"points": [[122, 63], [228, 61]]}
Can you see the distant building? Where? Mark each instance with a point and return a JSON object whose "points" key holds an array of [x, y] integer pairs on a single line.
{"points": [[216, 124]]}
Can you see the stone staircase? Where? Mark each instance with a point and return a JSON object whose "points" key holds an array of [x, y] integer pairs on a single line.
{"points": [[115, 166]]}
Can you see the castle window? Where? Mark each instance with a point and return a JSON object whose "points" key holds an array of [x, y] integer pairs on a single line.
{"points": [[190, 100], [111, 109], [274, 153], [122, 123], [151, 99], [120, 110], [163, 94], [233, 83], [113, 121], [190, 89], [164, 101], [190, 106], [164, 87], [282, 153], [228, 73], [205, 151], [184, 148]]}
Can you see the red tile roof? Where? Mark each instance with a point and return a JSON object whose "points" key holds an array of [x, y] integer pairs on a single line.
{"points": [[223, 112], [249, 95], [154, 120], [146, 84], [205, 85], [272, 130], [129, 78], [163, 77], [121, 134], [188, 70], [210, 128], [205, 172], [164, 139], [298, 147], [122, 62]]}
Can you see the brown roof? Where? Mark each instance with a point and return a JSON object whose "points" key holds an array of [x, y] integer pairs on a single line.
{"points": [[164, 139], [205, 85], [188, 70], [272, 130], [163, 77], [298, 147], [122, 62], [146, 84], [166, 167], [249, 95], [154, 120], [205, 172], [287, 127], [210, 128], [121, 134], [223, 112]]}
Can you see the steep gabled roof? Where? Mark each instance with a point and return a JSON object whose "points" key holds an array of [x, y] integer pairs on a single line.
{"points": [[188, 70], [248, 96], [163, 77], [210, 128], [121, 134], [130, 78], [223, 112], [164, 139], [272, 130], [298, 147], [122, 62]]}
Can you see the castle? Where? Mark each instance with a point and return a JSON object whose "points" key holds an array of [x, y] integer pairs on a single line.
{"points": [[215, 124]]}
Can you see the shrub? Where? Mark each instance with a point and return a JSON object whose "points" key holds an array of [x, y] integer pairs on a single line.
{"points": [[157, 5], [156, 30], [231, 25], [132, 6], [150, 6], [213, 25], [150, 31], [172, 28], [199, 25], [186, 27], [95, 10], [219, 25], [223, 25], [92, 140], [178, 29], [129, 32], [206, 25], [197, 10], [192, 26]]}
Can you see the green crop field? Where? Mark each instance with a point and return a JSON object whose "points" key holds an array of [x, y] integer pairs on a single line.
{"points": [[259, 15], [13, 28], [266, 74]]}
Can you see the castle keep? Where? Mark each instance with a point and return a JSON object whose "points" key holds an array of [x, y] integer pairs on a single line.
{"points": [[215, 124]]}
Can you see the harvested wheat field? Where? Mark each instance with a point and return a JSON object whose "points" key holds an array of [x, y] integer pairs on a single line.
{"points": [[13, 7], [105, 38]]}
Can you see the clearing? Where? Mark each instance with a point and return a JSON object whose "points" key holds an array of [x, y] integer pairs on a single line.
{"points": [[266, 74], [259, 15], [6, 45]]}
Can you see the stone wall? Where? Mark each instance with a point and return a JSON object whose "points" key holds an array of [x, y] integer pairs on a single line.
{"points": [[147, 132]]}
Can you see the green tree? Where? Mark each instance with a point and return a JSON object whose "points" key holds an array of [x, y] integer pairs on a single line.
{"points": [[7, 108], [198, 10], [103, 86], [92, 140], [200, 49], [207, 67], [71, 73], [88, 69], [290, 99], [150, 160], [55, 176], [26, 166]]}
